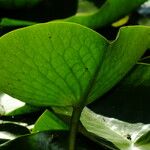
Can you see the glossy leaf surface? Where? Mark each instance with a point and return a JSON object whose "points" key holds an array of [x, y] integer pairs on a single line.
{"points": [[123, 135], [66, 67], [90, 15], [109, 132], [57, 69], [114, 8], [49, 121], [143, 142], [131, 92], [120, 57], [8, 22]]}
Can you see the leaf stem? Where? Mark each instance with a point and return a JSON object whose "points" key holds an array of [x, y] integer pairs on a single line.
{"points": [[74, 126]]}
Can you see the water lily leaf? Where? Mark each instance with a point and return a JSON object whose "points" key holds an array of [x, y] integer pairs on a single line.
{"points": [[8, 22], [49, 121], [85, 6], [65, 67], [58, 68], [44, 124], [143, 143], [109, 132], [18, 3], [123, 135], [131, 92], [121, 22], [89, 15], [118, 57], [101, 17]]}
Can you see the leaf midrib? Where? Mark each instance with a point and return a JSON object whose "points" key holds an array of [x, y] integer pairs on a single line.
{"points": [[92, 82]]}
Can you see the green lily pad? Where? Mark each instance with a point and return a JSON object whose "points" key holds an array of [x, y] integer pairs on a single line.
{"points": [[18, 3], [66, 67], [49, 121], [123, 135]]}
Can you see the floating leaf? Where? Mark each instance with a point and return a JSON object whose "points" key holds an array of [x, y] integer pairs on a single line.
{"points": [[57, 69], [131, 92], [18, 3], [123, 135], [143, 143], [49, 121], [114, 8], [64, 67], [119, 59], [86, 6], [109, 132], [91, 16], [8, 22]]}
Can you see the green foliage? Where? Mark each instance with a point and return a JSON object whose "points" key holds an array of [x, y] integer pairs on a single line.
{"points": [[107, 13], [143, 142], [95, 18], [6, 22], [57, 63], [109, 132], [18, 3], [62, 66], [123, 135], [54, 64], [78, 69], [49, 121]]}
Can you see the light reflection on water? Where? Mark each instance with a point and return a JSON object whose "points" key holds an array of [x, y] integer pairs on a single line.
{"points": [[8, 104]]}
